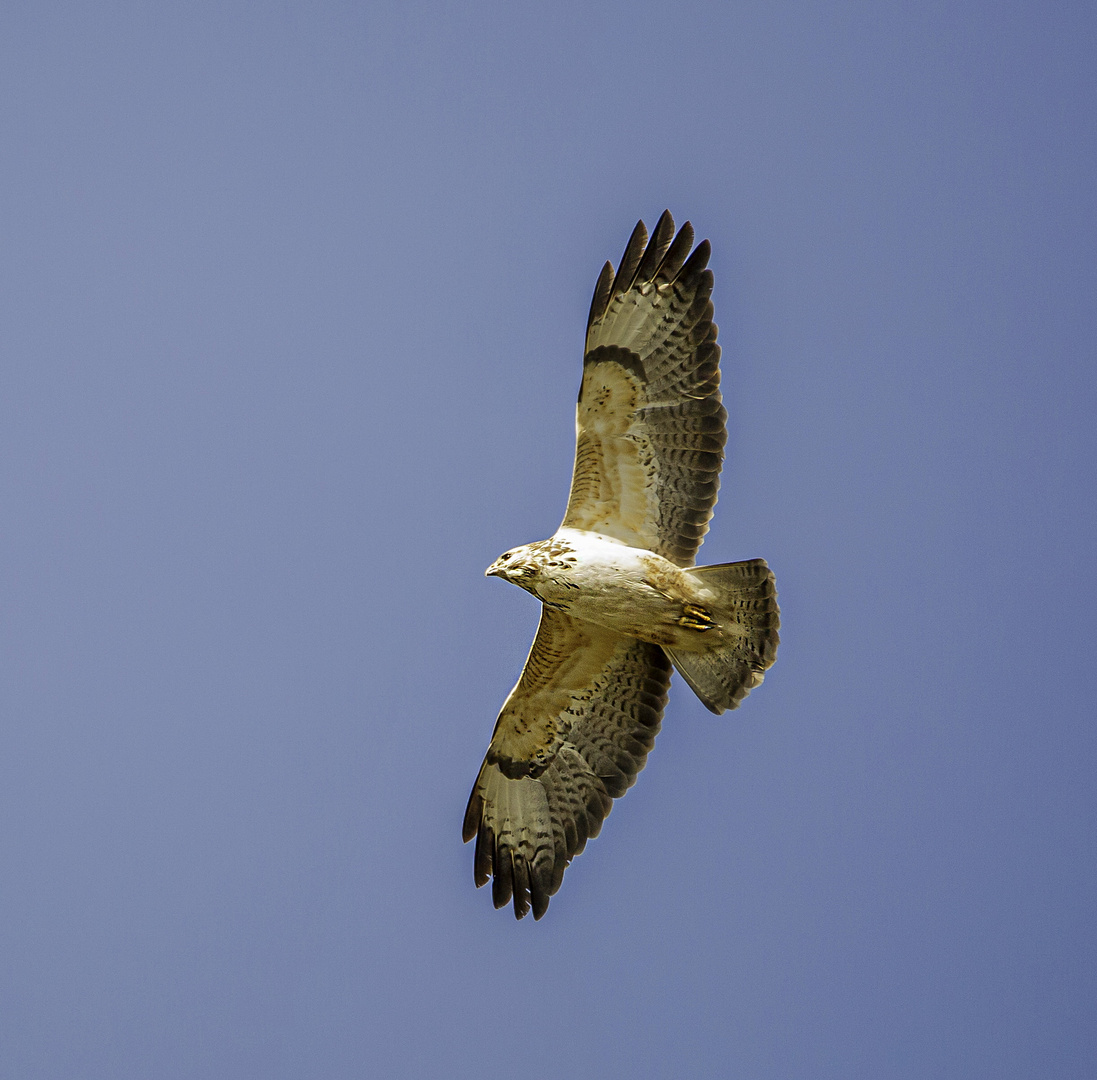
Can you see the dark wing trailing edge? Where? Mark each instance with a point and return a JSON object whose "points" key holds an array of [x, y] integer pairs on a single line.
{"points": [[650, 425], [571, 738]]}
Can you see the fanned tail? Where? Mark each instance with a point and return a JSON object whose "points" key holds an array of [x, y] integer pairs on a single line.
{"points": [[747, 612]]}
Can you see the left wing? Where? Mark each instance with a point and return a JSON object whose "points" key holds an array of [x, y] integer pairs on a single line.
{"points": [[572, 736], [649, 425]]}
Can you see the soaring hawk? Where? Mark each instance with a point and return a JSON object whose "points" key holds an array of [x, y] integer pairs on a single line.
{"points": [[622, 601]]}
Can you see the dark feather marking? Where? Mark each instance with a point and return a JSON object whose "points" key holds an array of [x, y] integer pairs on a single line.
{"points": [[602, 292], [665, 338], [676, 255], [657, 248], [612, 733], [613, 354], [698, 260], [502, 885], [630, 260]]}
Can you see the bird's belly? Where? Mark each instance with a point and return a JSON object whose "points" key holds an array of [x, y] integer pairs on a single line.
{"points": [[625, 600], [614, 603]]}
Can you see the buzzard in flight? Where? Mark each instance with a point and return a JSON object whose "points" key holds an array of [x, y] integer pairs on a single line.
{"points": [[622, 601]]}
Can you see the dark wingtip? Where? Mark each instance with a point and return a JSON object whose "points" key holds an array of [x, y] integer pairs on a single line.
{"points": [[502, 877], [471, 825], [602, 292], [630, 260], [482, 856], [657, 247], [698, 260], [521, 885], [676, 254]]}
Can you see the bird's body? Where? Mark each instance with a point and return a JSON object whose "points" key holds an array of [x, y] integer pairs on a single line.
{"points": [[625, 589], [622, 601]]}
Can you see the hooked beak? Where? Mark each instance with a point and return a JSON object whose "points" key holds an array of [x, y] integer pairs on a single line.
{"points": [[495, 570]]}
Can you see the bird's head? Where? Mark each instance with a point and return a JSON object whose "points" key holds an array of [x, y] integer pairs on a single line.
{"points": [[517, 565]]}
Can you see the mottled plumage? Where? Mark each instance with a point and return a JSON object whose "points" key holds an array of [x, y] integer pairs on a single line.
{"points": [[622, 600]]}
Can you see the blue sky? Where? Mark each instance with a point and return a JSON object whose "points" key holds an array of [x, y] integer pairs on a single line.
{"points": [[291, 321]]}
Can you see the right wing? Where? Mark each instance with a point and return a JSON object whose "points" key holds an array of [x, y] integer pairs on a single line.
{"points": [[571, 738]]}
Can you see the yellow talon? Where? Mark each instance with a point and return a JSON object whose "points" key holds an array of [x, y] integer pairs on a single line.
{"points": [[696, 618]]}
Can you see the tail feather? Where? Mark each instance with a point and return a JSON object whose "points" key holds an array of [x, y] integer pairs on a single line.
{"points": [[746, 610]]}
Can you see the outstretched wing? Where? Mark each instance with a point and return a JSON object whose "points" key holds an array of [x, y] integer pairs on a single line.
{"points": [[571, 738], [650, 426]]}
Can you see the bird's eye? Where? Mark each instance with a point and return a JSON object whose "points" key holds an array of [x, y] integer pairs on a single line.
{"points": [[503, 558]]}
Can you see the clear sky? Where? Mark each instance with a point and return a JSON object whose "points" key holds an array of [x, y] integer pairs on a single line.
{"points": [[291, 321]]}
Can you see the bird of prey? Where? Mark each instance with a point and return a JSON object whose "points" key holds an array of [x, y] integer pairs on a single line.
{"points": [[622, 601]]}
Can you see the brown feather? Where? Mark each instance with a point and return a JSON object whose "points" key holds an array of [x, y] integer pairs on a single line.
{"points": [[630, 260], [651, 426], [656, 249], [528, 828]]}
